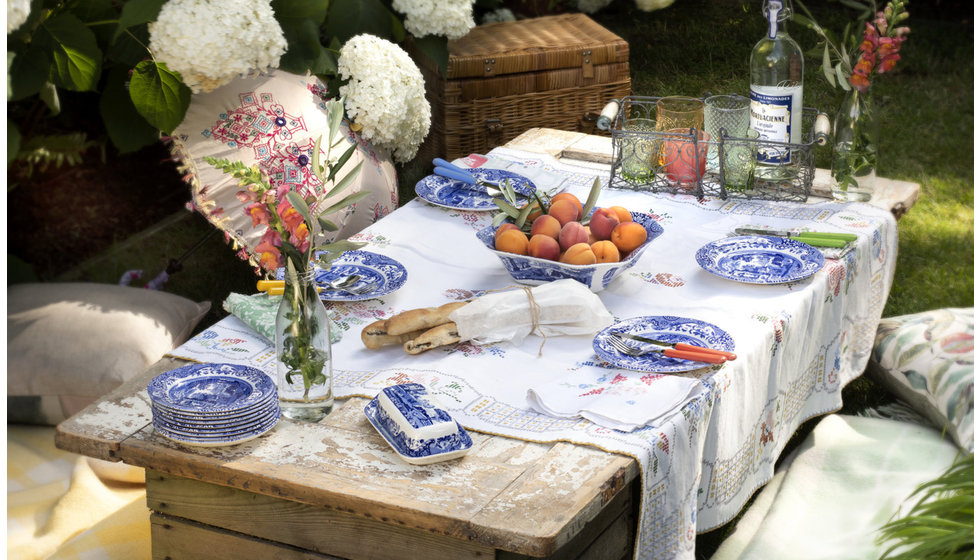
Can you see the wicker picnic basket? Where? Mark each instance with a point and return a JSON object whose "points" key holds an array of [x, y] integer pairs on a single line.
{"points": [[504, 78]]}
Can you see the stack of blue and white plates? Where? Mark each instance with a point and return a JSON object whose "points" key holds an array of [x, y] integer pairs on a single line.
{"points": [[213, 404]]}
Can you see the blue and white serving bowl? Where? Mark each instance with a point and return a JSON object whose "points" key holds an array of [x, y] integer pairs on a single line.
{"points": [[535, 271]]}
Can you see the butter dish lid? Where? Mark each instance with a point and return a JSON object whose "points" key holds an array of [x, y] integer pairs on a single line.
{"points": [[419, 431]]}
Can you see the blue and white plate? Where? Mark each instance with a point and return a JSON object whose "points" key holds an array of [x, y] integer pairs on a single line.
{"points": [[217, 439], [211, 389], [431, 451], [449, 193], [214, 422], [661, 327], [382, 273], [760, 259], [205, 432]]}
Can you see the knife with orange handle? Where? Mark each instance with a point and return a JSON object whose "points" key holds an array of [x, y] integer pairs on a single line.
{"points": [[680, 346]]}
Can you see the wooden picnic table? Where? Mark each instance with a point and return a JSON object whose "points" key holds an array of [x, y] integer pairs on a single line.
{"points": [[335, 489]]}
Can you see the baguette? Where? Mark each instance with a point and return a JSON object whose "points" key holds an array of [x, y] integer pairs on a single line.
{"points": [[421, 319], [441, 335], [375, 336]]}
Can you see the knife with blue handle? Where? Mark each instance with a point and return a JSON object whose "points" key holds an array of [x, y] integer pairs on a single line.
{"points": [[456, 173]]}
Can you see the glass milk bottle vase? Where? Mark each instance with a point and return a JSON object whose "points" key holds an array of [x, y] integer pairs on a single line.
{"points": [[776, 92], [854, 163], [303, 353]]}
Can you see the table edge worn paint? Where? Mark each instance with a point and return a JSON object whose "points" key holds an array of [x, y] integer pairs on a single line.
{"points": [[100, 431]]}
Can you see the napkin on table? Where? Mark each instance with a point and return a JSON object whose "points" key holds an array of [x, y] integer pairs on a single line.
{"points": [[258, 311]]}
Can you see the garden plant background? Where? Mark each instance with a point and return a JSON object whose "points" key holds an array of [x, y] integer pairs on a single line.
{"points": [[121, 206]]}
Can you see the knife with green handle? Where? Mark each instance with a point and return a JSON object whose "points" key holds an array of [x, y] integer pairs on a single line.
{"points": [[813, 238]]}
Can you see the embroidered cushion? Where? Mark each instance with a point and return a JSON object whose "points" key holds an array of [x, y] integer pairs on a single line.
{"points": [[273, 121], [70, 343], [926, 360]]}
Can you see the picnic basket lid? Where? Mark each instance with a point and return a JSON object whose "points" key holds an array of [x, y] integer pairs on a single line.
{"points": [[544, 43]]}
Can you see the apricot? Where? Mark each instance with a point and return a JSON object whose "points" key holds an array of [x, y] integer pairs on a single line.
{"points": [[571, 198], [544, 247], [623, 214], [565, 211], [512, 241], [572, 233], [580, 253], [605, 251], [502, 228], [546, 225], [602, 223], [628, 236]]}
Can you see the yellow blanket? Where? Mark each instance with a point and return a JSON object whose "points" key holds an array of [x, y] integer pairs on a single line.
{"points": [[65, 506]]}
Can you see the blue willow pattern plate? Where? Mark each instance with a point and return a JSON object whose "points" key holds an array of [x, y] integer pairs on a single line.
{"points": [[217, 440], [418, 452], [385, 273], [661, 327], [448, 193], [760, 259], [211, 388]]}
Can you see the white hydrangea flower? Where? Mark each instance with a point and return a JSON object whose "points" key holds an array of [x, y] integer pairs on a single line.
{"points": [[500, 14], [651, 5], [211, 42], [385, 94], [591, 6], [17, 12], [449, 18]]}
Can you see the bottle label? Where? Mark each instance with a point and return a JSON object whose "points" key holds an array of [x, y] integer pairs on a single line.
{"points": [[771, 114]]}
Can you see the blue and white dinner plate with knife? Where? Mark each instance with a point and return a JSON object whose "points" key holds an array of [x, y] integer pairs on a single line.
{"points": [[451, 193], [377, 275], [667, 328], [760, 259]]}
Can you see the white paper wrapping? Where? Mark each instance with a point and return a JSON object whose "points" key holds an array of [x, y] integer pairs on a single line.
{"points": [[562, 307]]}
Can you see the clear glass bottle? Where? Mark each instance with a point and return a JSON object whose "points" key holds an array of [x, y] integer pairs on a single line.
{"points": [[776, 91], [303, 351]]}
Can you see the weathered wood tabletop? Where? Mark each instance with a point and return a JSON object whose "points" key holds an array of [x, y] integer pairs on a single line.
{"points": [[506, 494]]}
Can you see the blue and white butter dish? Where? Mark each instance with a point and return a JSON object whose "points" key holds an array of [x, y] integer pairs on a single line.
{"points": [[420, 432]]}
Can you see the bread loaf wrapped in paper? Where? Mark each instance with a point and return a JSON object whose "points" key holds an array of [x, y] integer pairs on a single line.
{"points": [[562, 307]]}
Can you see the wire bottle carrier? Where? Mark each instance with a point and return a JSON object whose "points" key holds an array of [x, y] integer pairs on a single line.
{"points": [[645, 159]]}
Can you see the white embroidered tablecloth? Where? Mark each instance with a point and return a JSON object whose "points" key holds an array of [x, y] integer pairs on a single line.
{"points": [[702, 457]]}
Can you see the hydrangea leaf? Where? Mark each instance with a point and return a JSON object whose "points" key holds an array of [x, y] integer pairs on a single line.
{"points": [[127, 129], [436, 48], [130, 48], [159, 95], [304, 51], [28, 72], [13, 141], [77, 59], [99, 16], [348, 18], [289, 12], [49, 94], [136, 12]]}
